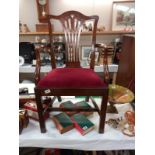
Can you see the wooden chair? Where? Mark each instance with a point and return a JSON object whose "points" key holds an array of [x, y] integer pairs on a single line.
{"points": [[71, 80]]}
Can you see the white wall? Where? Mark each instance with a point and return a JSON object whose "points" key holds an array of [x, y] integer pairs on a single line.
{"points": [[88, 7], [28, 14], [28, 10]]}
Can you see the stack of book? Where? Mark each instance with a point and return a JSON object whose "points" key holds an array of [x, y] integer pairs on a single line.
{"points": [[68, 104], [66, 121], [85, 105], [82, 104]]}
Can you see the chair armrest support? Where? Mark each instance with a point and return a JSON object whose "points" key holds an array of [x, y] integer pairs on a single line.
{"points": [[92, 57], [38, 65], [105, 50], [38, 51], [105, 66], [92, 60]]}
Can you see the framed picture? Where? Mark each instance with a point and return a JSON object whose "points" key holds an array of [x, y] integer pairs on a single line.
{"points": [[88, 26], [123, 15], [85, 51]]}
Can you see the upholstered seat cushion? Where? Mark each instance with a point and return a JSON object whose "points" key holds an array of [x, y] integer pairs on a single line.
{"points": [[71, 78]]}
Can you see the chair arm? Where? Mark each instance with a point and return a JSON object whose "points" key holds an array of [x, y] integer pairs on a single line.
{"points": [[92, 60], [105, 65], [38, 65], [92, 56], [38, 51], [106, 49]]}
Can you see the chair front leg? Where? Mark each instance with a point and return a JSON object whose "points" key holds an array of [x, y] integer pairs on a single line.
{"points": [[59, 98], [104, 103], [40, 111], [87, 98]]}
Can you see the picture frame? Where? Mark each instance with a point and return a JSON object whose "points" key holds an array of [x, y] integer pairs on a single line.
{"points": [[85, 51], [88, 26], [123, 16]]}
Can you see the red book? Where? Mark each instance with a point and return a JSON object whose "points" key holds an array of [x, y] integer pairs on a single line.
{"points": [[82, 124]]}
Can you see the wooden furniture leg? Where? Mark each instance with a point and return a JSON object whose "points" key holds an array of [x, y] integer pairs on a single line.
{"points": [[87, 98], [40, 111], [114, 77], [59, 98], [103, 111]]}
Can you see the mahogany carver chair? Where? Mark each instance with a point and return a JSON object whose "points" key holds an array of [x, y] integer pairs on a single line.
{"points": [[73, 80]]}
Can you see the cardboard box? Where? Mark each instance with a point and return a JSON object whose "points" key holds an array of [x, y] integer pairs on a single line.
{"points": [[23, 119], [31, 108]]}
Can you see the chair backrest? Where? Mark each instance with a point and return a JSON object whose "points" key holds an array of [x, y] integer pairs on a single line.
{"points": [[72, 23]]}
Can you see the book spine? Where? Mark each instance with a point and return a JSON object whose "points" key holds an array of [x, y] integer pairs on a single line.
{"points": [[58, 125], [77, 126]]}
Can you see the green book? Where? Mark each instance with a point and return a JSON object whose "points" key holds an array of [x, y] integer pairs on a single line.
{"points": [[82, 124], [68, 104], [85, 105], [63, 122]]}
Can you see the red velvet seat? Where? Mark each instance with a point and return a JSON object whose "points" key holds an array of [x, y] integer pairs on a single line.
{"points": [[71, 78]]}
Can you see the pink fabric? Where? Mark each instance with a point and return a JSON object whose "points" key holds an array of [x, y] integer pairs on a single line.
{"points": [[71, 78]]}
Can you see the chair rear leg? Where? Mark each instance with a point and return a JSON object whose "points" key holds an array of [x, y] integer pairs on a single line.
{"points": [[40, 111], [87, 98], [59, 98], [104, 103]]}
